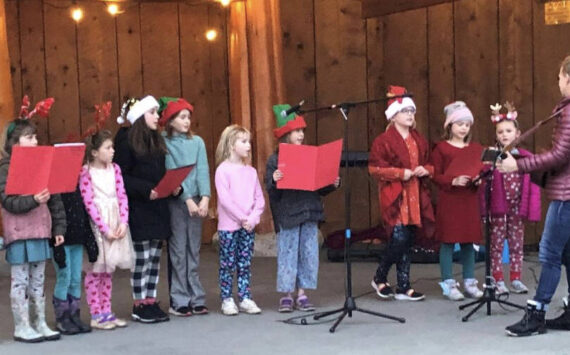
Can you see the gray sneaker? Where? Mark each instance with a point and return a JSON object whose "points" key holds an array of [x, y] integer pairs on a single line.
{"points": [[518, 287]]}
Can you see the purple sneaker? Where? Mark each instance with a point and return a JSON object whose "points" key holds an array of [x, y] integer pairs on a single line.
{"points": [[303, 304], [286, 305]]}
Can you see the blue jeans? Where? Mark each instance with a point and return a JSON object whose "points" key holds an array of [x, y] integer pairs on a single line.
{"points": [[68, 279], [554, 239]]}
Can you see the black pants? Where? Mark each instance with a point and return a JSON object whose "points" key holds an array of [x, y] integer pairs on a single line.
{"points": [[398, 252]]}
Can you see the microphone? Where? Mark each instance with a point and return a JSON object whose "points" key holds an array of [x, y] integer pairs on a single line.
{"points": [[293, 109]]}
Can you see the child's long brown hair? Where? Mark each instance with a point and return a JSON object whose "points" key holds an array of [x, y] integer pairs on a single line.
{"points": [[144, 140], [94, 142]]}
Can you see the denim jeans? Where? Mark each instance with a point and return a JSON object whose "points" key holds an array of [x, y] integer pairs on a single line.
{"points": [[554, 239]]}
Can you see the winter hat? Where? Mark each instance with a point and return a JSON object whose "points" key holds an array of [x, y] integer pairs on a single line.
{"points": [[138, 108], [286, 123], [398, 100], [455, 112], [170, 106]]}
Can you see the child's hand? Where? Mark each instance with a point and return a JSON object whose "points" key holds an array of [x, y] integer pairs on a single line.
{"points": [[176, 191], [277, 175], [203, 207], [193, 209], [337, 182], [407, 174], [42, 197], [111, 235], [461, 180], [59, 240], [420, 171], [153, 195], [247, 226], [121, 231]]}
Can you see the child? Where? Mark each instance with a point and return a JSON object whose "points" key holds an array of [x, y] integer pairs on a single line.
{"points": [[187, 296], [513, 197], [68, 263], [104, 196], [296, 215], [240, 204], [29, 222], [140, 153], [399, 162], [455, 225]]}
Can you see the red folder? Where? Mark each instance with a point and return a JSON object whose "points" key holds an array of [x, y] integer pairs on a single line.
{"points": [[308, 167], [171, 180], [467, 163], [33, 169]]}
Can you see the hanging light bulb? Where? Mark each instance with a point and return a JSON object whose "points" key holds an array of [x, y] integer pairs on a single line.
{"points": [[225, 2], [211, 35], [113, 9], [77, 14]]}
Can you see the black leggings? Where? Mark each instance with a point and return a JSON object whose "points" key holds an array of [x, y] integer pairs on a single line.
{"points": [[398, 252]]}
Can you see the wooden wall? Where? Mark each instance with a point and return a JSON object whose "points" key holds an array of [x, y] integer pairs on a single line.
{"points": [[479, 51], [152, 48]]}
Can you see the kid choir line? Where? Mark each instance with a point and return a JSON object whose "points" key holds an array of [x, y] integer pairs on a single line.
{"points": [[116, 216]]}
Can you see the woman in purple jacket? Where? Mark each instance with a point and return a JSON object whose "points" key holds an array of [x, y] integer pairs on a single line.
{"points": [[557, 224], [514, 198]]}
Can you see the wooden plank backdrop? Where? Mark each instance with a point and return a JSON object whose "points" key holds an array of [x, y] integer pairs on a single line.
{"points": [[479, 51]]}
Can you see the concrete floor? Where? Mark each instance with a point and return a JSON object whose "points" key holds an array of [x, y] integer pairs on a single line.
{"points": [[432, 327]]}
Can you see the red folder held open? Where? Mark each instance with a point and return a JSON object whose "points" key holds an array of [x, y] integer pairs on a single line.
{"points": [[33, 169], [308, 167], [171, 180]]}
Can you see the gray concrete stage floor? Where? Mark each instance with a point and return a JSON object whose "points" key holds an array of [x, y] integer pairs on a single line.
{"points": [[433, 326]]}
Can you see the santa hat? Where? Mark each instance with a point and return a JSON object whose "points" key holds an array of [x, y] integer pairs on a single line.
{"points": [[286, 123], [456, 112], [170, 106], [398, 101], [138, 109]]}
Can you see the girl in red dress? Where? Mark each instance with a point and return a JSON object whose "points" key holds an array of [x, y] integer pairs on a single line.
{"points": [[457, 209]]}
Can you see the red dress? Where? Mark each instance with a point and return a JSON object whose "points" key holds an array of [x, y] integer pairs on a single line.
{"points": [[457, 210]]}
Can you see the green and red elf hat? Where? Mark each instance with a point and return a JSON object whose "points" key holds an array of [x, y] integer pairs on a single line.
{"points": [[170, 106], [286, 123]]}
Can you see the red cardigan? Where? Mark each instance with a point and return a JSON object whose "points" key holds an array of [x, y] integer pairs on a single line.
{"points": [[389, 151]]}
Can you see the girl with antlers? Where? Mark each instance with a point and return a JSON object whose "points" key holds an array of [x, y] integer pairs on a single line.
{"points": [[105, 199], [514, 198], [30, 222]]}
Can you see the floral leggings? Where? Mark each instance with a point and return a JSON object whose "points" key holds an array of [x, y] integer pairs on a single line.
{"points": [[236, 250], [511, 228]]}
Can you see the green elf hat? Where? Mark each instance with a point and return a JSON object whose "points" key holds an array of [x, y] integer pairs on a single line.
{"points": [[286, 124], [163, 102]]}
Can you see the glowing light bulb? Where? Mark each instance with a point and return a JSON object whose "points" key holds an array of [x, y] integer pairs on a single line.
{"points": [[113, 9], [77, 14], [225, 2], [211, 35]]}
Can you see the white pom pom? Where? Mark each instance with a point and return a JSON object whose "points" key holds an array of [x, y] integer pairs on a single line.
{"points": [[120, 120]]}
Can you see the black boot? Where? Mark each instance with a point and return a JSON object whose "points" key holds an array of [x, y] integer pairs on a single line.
{"points": [[533, 322], [74, 315], [562, 322], [62, 317]]}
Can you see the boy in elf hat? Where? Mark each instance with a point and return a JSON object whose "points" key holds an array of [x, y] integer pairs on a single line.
{"points": [[296, 214]]}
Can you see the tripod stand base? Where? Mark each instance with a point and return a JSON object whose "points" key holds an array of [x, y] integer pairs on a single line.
{"points": [[488, 297], [347, 309]]}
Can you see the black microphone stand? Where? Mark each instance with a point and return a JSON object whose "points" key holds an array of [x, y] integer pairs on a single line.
{"points": [[349, 303], [490, 287]]}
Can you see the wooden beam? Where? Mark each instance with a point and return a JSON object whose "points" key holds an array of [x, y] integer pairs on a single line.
{"points": [[376, 8], [6, 94]]}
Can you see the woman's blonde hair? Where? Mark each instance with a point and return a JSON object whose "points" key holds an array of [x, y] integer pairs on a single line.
{"points": [[227, 141]]}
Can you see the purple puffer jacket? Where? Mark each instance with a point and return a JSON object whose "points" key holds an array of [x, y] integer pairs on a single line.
{"points": [[529, 207]]}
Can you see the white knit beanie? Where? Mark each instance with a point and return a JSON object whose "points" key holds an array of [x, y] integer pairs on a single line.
{"points": [[138, 109]]}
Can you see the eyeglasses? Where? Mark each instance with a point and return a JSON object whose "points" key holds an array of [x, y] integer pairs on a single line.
{"points": [[409, 110]]}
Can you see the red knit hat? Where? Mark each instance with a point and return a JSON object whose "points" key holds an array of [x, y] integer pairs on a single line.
{"points": [[172, 108]]}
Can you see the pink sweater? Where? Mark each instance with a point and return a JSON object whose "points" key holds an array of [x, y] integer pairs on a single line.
{"points": [[240, 197], [87, 194]]}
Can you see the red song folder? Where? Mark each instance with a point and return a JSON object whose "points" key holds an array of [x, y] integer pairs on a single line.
{"points": [[467, 163], [308, 167], [33, 169], [171, 180]]}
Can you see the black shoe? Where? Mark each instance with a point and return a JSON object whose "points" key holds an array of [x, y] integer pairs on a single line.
{"points": [[409, 295], [562, 322], [74, 315], [531, 324], [144, 314], [200, 310], [180, 311], [383, 289], [158, 314]]}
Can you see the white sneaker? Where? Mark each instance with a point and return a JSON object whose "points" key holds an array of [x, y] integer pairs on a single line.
{"points": [[502, 288], [451, 290], [519, 287], [249, 307], [471, 289], [229, 307]]}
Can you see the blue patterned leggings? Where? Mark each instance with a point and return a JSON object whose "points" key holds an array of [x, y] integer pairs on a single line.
{"points": [[236, 249], [297, 257]]}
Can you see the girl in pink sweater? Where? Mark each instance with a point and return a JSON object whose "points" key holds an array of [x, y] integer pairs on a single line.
{"points": [[105, 199], [240, 204]]}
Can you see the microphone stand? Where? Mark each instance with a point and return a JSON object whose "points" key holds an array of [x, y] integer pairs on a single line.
{"points": [[349, 304]]}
